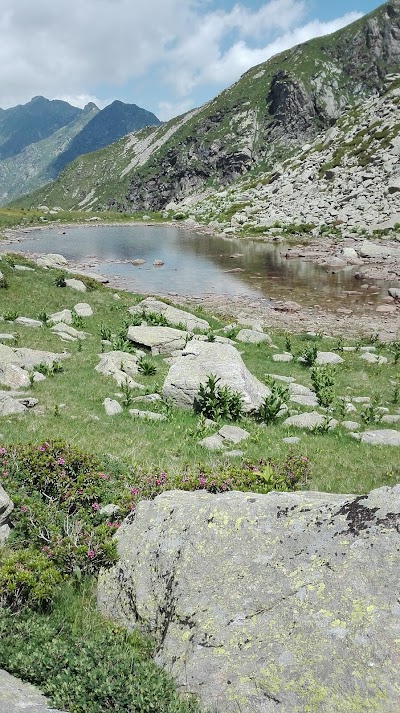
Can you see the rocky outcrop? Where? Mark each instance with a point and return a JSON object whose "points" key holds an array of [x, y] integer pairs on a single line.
{"points": [[159, 340], [260, 603], [6, 507], [16, 696], [198, 361]]}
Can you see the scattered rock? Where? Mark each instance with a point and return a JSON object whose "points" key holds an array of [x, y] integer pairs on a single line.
{"points": [[394, 292], [7, 337], [158, 263], [233, 434], [148, 398], [390, 418], [76, 284], [213, 443], [291, 440], [285, 357], [309, 421], [373, 358], [82, 309], [121, 366], [17, 696], [52, 260], [112, 407], [149, 415], [64, 316], [384, 437], [246, 595], [328, 358], [62, 328], [174, 315], [27, 322], [305, 399], [10, 406], [160, 340], [252, 336], [138, 261], [198, 361], [350, 425], [6, 508]]}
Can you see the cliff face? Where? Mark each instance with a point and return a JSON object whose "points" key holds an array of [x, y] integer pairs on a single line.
{"points": [[263, 118]]}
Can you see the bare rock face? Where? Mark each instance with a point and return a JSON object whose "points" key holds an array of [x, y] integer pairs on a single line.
{"points": [[260, 603], [198, 361], [160, 340], [16, 696], [6, 507]]}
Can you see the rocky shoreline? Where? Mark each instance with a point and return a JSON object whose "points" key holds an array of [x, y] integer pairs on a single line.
{"points": [[381, 262]]}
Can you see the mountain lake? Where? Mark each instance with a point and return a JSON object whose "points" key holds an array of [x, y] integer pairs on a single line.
{"points": [[196, 264]]}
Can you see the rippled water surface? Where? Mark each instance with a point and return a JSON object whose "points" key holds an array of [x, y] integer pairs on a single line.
{"points": [[195, 264]]}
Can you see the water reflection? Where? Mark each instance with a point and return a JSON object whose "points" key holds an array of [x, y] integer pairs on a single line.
{"points": [[195, 264]]}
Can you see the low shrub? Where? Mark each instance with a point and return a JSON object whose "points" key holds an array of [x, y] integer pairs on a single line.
{"points": [[146, 366], [27, 578], [217, 402], [271, 406], [323, 379]]}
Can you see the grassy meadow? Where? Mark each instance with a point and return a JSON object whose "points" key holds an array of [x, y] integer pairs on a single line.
{"points": [[71, 403]]}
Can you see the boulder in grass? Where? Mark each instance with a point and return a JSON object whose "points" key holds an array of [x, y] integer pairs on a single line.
{"points": [[174, 315], [52, 260], [160, 340], [198, 361]]}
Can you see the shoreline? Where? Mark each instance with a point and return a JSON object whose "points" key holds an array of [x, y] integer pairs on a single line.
{"points": [[272, 313]]}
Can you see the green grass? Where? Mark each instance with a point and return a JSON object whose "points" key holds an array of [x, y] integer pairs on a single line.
{"points": [[30, 217], [82, 662], [71, 403]]}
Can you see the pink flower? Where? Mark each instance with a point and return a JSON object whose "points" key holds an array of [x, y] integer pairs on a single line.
{"points": [[132, 506], [134, 491], [91, 554], [109, 524], [24, 508], [42, 448], [61, 461], [202, 480], [2, 451], [5, 474], [117, 525], [96, 506]]}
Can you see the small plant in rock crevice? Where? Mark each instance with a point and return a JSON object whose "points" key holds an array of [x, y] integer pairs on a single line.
{"points": [[273, 404], [146, 366], [216, 402]]}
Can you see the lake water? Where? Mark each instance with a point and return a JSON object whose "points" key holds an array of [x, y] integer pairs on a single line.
{"points": [[195, 264]]}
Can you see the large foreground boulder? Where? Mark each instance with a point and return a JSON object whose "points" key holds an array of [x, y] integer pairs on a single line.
{"points": [[198, 361], [263, 603]]}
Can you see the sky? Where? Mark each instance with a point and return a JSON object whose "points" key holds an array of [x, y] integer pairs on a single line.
{"points": [[167, 56]]}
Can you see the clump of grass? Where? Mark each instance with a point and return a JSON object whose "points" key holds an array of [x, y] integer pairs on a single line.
{"points": [[215, 402], [146, 366]]}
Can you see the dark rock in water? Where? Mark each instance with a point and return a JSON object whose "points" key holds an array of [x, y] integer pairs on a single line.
{"points": [[260, 603]]}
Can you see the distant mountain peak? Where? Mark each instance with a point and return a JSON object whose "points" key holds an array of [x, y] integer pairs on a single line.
{"points": [[90, 106]]}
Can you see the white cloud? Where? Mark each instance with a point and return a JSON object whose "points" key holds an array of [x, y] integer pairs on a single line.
{"points": [[220, 66], [75, 49], [80, 100]]}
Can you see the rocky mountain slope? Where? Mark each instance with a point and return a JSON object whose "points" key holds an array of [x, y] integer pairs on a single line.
{"points": [[272, 110], [347, 180], [39, 139]]}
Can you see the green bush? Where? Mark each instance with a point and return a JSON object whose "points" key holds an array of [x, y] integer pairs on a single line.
{"points": [[309, 355], [271, 406], [27, 578], [83, 663], [58, 492], [59, 280], [146, 366], [216, 402], [323, 379], [3, 283]]}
